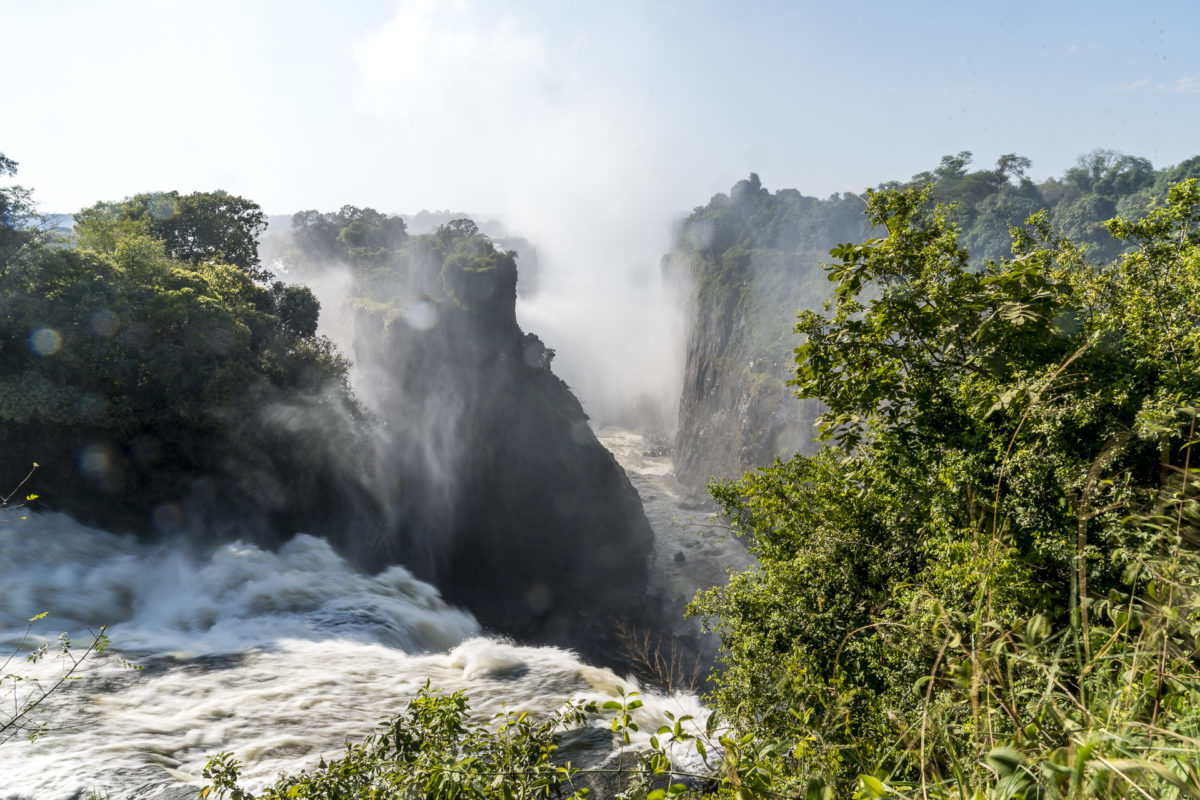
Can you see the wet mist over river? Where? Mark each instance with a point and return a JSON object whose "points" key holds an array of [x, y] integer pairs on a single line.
{"points": [[282, 657]]}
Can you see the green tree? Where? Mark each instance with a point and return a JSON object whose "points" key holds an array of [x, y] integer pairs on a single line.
{"points": [[362, 238], [196, 227], [214, 226], [431, 750], [114, 350], [21, 227], [297, 308], [986, 433]]}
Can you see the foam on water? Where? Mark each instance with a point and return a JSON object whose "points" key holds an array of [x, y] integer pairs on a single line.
{"points": [[280, 657]]}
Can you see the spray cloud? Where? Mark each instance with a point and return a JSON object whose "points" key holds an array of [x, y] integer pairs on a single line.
{"points": [[576, 166]]}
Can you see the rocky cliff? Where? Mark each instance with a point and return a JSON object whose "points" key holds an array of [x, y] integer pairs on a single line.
{"points": [[497, 489], [753, 259], [179, 401]]}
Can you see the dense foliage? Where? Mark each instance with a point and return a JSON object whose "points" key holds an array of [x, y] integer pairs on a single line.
{"points": [[20, 226], [196, 228], [755, 257], [140, 356], [431, 750], [388, 266], [953, 572]]}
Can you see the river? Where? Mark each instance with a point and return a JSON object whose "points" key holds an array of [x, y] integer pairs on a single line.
{"points": [[282, 657]]}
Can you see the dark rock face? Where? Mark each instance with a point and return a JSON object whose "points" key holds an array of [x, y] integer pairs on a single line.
{"points": [[496, 488], [754, 260], [736, 410], [259, 479]]}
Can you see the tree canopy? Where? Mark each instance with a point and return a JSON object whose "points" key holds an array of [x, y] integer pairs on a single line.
{"points": [[196, 227], [152, 343], [987, 432], [20, 225]]}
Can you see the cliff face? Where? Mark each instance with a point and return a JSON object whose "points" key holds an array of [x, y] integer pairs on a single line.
{"points": [[754, 260], [736, 410], [463, 458], [495, 487]]}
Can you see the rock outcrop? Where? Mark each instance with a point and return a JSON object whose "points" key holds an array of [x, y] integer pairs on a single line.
{"points": [[463, 457], [754, 260], [497, 489]]}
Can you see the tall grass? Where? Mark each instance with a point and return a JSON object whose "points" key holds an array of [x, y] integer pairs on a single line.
{"points": [[1107, 706]]}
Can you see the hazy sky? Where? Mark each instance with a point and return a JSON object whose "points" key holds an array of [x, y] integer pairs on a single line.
{"points": [[585, 126], [491, 106]]}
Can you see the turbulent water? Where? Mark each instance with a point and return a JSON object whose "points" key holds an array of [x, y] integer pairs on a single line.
{"points": [[692, 550], [279, 657]]}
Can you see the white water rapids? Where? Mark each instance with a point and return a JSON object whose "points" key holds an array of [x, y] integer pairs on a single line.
{"points": [[279, 657]]}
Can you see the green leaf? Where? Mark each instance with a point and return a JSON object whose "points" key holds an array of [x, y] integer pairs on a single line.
{"points": [[1005, 760], [873, 786]]}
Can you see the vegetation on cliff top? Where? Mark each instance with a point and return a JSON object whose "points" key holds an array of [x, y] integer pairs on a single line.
{"points": [[985, 579], [138, 355], [756, 257]]}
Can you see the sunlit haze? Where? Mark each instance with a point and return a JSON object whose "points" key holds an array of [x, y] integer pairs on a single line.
{"points": [[585, 127], [494, 106]]}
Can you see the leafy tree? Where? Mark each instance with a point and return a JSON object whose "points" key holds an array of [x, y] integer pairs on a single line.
{"points": [[158, 364], [1009, 166], [431, 750], [986, 433], [457, 229], [1109, 173], [20, 225], [197, 227], [297, 308], [359, 237], [997, 214]]}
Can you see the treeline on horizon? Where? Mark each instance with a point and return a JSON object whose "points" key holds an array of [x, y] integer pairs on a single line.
{"points": [[1100, 185]]}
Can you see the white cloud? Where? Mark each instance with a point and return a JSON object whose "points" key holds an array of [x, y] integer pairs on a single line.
{"points": [[1184, 85], [533, 124], [1133, 86], [436, 59]]}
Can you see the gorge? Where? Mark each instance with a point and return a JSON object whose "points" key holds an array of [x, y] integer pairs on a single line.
{"points": [[290, 546]]}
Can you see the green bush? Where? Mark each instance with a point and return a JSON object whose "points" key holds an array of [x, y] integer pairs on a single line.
{"points": [[942, 580]]}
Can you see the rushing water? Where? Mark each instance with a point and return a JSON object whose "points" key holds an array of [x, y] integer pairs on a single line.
{"points": [[279, 657]]}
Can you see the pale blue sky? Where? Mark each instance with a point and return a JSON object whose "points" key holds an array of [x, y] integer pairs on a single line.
{"points": [[587, 127], [500, 106]]}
